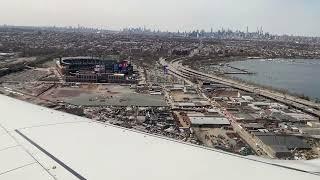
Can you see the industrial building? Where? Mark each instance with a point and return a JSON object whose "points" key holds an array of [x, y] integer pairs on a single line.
{"points": [[207, 120], [281, 145], [93, 69]]}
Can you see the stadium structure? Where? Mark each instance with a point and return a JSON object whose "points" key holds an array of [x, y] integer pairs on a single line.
{"points": [[94, 69]]}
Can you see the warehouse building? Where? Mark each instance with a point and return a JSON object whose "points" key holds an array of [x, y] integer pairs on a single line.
{"points": [[208, 122], [282, 145]]}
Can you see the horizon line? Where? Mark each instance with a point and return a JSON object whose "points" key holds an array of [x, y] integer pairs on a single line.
{"points": [[152, 30]]}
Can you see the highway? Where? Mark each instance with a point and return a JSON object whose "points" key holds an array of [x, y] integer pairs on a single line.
{"points": [[255, 144], [186, 74], [307, 106], [259, 148]]}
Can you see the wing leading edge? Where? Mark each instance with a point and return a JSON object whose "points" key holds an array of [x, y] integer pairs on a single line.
{"points": [[40, 143]]}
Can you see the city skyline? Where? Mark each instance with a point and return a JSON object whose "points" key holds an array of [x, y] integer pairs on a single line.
{"points": [[286, 17]]}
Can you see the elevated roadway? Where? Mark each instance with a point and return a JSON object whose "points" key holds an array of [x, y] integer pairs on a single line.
{"points": [[307, 106]]}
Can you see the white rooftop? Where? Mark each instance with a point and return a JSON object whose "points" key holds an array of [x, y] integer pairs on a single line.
{"points": [[247, 98], [207, 120], [39, 143]]}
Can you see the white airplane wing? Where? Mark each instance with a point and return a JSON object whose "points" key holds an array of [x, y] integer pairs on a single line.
{"points": [[40, 143]]}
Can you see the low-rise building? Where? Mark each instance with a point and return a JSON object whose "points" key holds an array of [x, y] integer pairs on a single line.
{"points": [[209, 122]]}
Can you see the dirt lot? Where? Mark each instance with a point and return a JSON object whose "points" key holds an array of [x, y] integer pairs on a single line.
{"points": [[182, 97], [30, 75], [102, 95]]}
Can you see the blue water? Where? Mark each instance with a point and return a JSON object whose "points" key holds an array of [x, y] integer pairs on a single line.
{"points": [[301, 76]]}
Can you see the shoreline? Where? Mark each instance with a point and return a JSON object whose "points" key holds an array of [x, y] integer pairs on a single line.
{"points": [[265, 86], [235, 59]]}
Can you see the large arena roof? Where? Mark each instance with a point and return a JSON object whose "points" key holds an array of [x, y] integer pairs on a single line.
{"points": [[71, 60]]}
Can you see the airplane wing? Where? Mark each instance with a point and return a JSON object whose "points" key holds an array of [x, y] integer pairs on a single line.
{"points": [[40, 143]]}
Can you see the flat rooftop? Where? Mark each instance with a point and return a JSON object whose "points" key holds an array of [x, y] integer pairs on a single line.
{"points": [[291, 142], [205, 120]]}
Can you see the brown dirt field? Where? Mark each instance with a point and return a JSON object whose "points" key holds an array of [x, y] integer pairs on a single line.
{"points": [[69, 93]]}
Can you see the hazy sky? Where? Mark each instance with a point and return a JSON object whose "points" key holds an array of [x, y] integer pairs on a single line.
{"points": [[299, 17]]}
